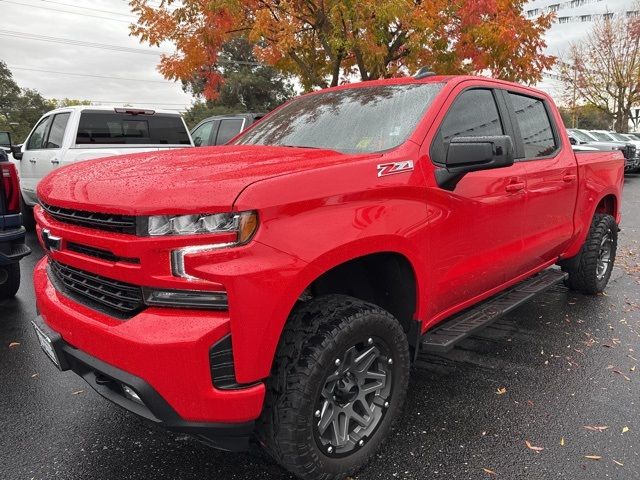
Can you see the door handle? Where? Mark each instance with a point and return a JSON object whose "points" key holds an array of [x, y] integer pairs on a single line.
{"points": [[569, 178], [514, 187], [55, 161], [32, 160]]}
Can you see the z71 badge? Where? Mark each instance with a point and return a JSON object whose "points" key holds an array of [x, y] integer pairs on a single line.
{"points": [[395, 167]]}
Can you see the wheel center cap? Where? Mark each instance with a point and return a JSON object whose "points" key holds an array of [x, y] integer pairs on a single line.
{"points": [[346, 390]]}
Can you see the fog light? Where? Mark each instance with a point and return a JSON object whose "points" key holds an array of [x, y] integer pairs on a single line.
{"points": [[131, 394]]}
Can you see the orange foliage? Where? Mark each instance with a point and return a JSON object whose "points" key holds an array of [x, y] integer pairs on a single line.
{"points": [[325, 42]]}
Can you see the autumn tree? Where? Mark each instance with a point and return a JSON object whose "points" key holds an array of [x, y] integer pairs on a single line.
{"points": [[604, 69], [325, 42]]}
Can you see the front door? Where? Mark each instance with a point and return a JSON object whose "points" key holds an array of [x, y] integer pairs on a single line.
{"points": [[476, 233], [32, 154]]}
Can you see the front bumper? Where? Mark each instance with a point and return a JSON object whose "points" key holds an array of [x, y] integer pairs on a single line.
{"points": [[12, 247], [108, 382], [162, 353]]}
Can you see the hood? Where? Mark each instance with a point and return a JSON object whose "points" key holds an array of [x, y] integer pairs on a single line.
{"points": [[203, 180]]}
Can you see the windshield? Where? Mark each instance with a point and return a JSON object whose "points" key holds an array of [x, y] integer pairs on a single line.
{"points": [[354, 120], [600, 136], [632, 136], [580, 136], [619, 137]]}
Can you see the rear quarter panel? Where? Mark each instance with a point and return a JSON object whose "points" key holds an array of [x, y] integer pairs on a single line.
{"points": [[600, 174]]}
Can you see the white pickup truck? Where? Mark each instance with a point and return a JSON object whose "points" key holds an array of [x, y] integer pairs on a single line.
{"points": [[72, 134]]}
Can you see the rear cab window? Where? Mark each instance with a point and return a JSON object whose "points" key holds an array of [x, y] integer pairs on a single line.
{"points": [[107, 127], [537, 132]]}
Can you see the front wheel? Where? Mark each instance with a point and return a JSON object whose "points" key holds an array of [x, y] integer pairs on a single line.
{"points": [[590, 271], [338, 383]]}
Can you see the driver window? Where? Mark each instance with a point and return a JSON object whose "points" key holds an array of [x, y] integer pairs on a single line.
{"points": [[474, 113], [39, 135], [202, 134]]}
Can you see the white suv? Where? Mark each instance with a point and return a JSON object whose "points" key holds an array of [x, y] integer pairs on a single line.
{"points": [[72, 134]]}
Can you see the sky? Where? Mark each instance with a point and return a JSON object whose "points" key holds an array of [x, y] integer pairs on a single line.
{"points": [[132, 75], [31, 32]]}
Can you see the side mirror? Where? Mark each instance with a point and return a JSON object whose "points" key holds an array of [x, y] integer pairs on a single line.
{"points": [[197, 141], [472, 154], [573, 141], [16, 150]]}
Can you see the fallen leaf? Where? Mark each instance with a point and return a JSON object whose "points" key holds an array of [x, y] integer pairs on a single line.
{"points": [[490, 472], [562, 442], [593, 457], [596, 428], [625, 429], [501, 391], [35, 375], [14, 344], [618, 463], [622, 374], [531, 447], [77, 392]]}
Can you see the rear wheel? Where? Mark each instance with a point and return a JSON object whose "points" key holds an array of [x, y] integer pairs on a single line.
{"points": [[9, 280], [339, 381], [590, 271]]}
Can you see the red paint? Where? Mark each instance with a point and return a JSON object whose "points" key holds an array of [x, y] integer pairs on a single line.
{"points": [[317, 209]]}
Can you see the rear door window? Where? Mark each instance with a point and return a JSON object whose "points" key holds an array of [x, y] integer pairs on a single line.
{"points": [[56, 133], [229, 128], [36, 140], [535, 126], [105, 127]]}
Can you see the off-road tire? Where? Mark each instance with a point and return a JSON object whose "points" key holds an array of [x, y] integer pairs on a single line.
{"points": [[582, 269], [314, 337], [9, 280]]}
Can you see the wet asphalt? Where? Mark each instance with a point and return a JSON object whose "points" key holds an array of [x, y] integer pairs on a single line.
{"points": [[535, 379]]}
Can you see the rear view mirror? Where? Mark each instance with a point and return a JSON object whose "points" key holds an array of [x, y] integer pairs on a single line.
{"points": [[472, 154], [5, 139], [16, 150]]}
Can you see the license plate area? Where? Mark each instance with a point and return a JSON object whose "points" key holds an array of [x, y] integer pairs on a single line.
{"points": [[46, 344]]}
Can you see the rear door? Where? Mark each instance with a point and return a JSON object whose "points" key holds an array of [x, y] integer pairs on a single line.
{"points": [[552, 178], [476, 238]]}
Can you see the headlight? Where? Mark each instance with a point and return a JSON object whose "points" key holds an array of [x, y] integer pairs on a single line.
{"points": [[244, 224]]}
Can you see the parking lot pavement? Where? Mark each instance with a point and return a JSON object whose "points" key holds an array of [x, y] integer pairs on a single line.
{"points": [[541, 375]]}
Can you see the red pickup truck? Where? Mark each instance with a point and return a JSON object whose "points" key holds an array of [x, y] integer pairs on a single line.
{"points": [[277, 289]]}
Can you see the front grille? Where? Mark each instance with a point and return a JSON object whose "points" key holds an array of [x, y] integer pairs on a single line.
{"points": [[102, 221], [115, 298], [629, 151], [99, 253]]}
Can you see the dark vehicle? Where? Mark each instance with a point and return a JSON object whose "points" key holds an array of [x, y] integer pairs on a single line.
{"points": [[12, 247], [220, 129]]}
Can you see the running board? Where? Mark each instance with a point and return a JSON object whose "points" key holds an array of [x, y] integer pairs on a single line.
{"points": [[444, 337]]}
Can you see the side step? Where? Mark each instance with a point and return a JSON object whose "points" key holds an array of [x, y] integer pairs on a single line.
{"points": [[443, 337]]}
